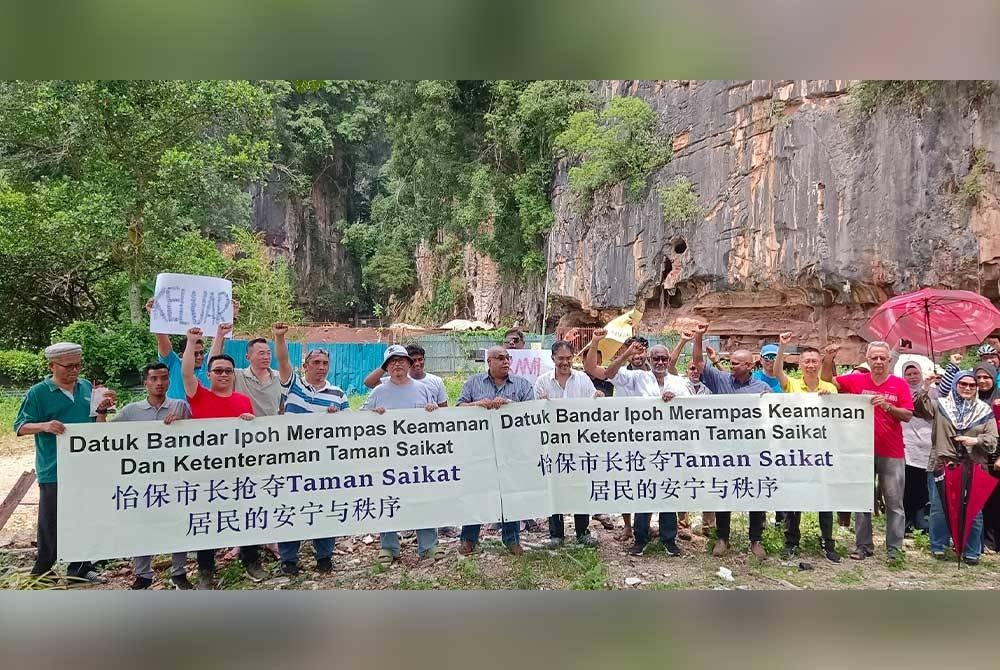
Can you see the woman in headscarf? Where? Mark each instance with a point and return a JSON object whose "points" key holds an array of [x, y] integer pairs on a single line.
{"points": [[917, 444], [963, 430], [989, 392]]}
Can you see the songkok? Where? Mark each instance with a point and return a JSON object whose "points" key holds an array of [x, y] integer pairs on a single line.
{"points": [[61, 350]]}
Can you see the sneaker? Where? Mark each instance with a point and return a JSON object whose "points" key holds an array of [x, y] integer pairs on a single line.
{"points": [[324, 565], [255, 572], [91, 577], [516, 549], [465, 548], [181, 583], [721, 548], [970, 561], [553, 543], [831, 554], [670, 546], [637, 548], [588, 540], [206, 580], [757, 549], [939, 555], [141, 583], [290, 568], [789, 552]]}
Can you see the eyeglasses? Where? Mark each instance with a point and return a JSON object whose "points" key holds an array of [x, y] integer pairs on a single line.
{"points": [[222, 371], [966, 385], [512, 340], [660, 359], [770, 357], [500, 357], [71, 366]]}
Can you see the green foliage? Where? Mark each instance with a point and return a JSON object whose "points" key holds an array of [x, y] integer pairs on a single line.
{"points": [[617, 145], [113, 353], [262, 284], [867, 96], [679, 202], [972, 184], [22, 368]]}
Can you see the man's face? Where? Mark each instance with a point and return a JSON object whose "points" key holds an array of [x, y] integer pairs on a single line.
{"points": [[912, 375], [638, 359], [741, 364], [563, 360], [810, 362], [694, 375], [199, 354], [498, 362], [316, 369], [66, 369], [878, 361], [514, 341], [992, 359], [398, 368], [767, 362], [156, 383], [659, 358], [259, 356], [221, 375], [417, 367]]}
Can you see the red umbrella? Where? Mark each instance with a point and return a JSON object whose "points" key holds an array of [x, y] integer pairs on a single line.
{"points": [[963, 489], [934, 319]]}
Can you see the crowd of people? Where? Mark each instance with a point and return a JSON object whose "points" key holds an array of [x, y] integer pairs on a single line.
{"points": [[922, 422]]}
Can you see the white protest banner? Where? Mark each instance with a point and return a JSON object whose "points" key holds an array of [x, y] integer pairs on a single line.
{"points": [[181, 302], [136, 488], [799, 451], [529, 363]]}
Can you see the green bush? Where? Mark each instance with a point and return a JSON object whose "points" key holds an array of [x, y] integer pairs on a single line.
{"points": [[114, 353], [21, 368]]}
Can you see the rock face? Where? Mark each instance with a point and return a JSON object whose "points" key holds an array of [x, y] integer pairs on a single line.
{"points": [[811, 218]]}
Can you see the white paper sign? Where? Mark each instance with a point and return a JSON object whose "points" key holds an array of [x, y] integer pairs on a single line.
{"points": [[799, 452], [529, 363], [136, 488], [185, 301]]}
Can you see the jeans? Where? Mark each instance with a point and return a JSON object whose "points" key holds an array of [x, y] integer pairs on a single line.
{"points": [[557, 526], [248, 555], [723, 520], [289, 551], [940, 536], [510, 532], [427, 539], [793, 533], [46, 536], [143, 565], [668, 527], [891, 475]]}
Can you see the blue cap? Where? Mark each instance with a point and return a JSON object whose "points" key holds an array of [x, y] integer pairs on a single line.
{"points": [[769, 350]]}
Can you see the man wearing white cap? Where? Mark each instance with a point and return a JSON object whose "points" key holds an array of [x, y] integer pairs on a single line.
{"points": [[401, 392], [61, 398]]}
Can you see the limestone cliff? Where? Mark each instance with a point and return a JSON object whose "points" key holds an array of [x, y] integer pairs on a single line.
{"points": [[810, 217]]}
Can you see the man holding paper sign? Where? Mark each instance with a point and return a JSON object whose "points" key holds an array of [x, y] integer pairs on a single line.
{"points": [[167, 356]]}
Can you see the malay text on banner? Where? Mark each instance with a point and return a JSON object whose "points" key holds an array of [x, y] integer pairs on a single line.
{"points": [[766, 452], [136, 488]]}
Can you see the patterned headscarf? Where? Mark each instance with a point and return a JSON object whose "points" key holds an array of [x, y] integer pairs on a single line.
{"points": [[964, 414]]}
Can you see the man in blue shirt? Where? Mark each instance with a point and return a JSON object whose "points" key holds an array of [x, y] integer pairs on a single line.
{"points": [[768, 354], [165, 354]]}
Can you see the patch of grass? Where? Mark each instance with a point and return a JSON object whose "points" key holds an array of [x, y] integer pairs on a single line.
{"points": [[667, 586], [576, 568], [773, 538], [232, 577], [408, 583], [899, 563], [851, 577], [525, 579], [468, 574], [377, 569], [972, 184], [921, 540], [8, 412]]}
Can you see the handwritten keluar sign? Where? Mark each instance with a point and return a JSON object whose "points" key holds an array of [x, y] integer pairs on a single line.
{"points": [[185, 301]]}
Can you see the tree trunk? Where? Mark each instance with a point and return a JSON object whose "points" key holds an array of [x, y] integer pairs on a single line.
{"points": [[134, 301]]}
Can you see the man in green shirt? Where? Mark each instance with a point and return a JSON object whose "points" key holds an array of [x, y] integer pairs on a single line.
{"points": [[61, 398]]}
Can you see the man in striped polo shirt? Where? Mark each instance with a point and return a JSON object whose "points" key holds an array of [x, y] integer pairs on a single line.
{"points": [[303, 393]]}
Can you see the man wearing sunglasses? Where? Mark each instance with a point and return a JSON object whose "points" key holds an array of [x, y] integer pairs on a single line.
{"points": [[768, 355], [166, 355], [61, 398], [219, 401], [513, 339]]}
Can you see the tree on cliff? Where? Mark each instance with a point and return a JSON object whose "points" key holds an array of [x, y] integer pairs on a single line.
{"points": [[136, 163]]}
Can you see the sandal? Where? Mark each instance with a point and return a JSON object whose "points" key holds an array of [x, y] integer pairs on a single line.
{"points": [[860, 554], [385, 558], [435, 552]]}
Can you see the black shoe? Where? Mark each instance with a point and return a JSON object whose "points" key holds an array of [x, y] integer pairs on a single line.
{"points": [[637, 549], [670, 546], [181, 583], [830, 551], [971, 561], [255, 572], [789, 551], [141, 583], [324, 565], [290, 568]]}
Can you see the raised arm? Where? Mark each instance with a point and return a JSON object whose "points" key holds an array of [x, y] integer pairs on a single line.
{"points": [[187, 362], [374, 378], [675, 355], [828, 369], [279, 330], [697, 357], [784, 339], [163, 346]]}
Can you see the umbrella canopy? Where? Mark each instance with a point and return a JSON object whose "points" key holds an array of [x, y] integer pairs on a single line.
{"points": [[934, 320]]}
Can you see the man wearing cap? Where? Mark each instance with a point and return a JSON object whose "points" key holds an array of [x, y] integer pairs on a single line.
{"points": [[401, 392], [305, 393], [62, 397], [768, 354], [491, 390], [417, 374]]}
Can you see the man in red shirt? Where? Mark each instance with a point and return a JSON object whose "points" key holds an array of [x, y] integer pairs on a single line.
{"points": [[219, 401], [893, 407]]}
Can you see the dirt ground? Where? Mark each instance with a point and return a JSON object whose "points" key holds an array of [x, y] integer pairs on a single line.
{"points": [[571, 567]]}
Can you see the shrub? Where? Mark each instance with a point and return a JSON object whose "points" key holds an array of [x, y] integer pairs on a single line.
{"points": [[113, 353], [679, 202], [21, 368]]}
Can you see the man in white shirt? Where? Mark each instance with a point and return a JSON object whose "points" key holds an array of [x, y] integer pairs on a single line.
{"points": [[417, 374], [565, 382]]}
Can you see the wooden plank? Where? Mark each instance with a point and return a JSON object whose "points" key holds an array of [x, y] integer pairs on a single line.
{"points": [[10, 503]]}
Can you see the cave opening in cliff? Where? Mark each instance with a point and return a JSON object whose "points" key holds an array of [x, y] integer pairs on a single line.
{"points": [[680, 245]]}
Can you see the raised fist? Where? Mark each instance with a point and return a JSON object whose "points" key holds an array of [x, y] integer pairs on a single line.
{"points": [[786, 338], [956, 359], [600, 334], [194, 334], [279, 330], [831, 349], [701, 329]]}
